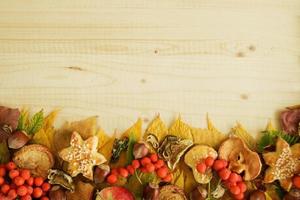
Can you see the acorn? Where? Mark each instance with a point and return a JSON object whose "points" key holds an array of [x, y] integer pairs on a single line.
{"points": [[17, 140]]}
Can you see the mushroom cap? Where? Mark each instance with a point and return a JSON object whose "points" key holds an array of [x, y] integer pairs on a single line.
{"points": [[240, 158], [197, 154]]}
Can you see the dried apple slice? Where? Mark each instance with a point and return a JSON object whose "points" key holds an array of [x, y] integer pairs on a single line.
{"points": [[198, 154]]}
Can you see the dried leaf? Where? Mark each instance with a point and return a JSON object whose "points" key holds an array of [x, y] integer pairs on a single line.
{"points": [[157, 128], [180, 129], [240, 132], [135, 129], [4, 153], [106, 148], [8, 121], [178, 178], [83, 191], [87, 127]]}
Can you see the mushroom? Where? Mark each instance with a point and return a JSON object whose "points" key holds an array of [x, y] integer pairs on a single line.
{"points": [[240, 158], [197, 154]]}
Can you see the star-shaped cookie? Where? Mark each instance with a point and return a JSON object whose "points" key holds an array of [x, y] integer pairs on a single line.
{"points": [[82, 156], [283, 163]]}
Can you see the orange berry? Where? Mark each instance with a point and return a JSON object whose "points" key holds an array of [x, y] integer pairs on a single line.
{"points": [[12, 193], [37, 192], [114, 171], [13, 173], [224, 174], [44, 198], [38, 181], [239, 196], [19, 181], [1, 180], [29, 190], [159, 164], [143, 170], [30, 181], [201, 168], [234, 177], [218, 165], [296, 181], [235, 190], [150, 167], [46, 187], [11, 166], [2, 171], [168, 178], [145, 161], [162, 172], [130, 169], [135, 164], [225, 163], [25, 173], [5, 188], [242, 186], [154, 157], [22, 190], [111, 179], [26, 197], [123, 172], [209, 161]]}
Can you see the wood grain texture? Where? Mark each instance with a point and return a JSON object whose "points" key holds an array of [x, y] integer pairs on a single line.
{"points": [[236, 60]]}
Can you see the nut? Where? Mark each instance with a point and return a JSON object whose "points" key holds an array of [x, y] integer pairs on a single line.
{"points": [[57, 193], [151, 192], [17, 140], [257, 195], [100, 173], [140, 150], [199, 193], [294, 194]]}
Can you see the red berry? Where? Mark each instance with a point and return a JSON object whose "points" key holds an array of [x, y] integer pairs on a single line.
{"points": [[26, 197], [162, 172], [1, 180], [46, 187], [143, 169], [12, 193], [296, 181], [37, 192], [135, 164], [201, 168], [209, 161], [38, 181], [150, 167], [114, 171], [218, 165], [22, 190], [11, 166], [225, 163], [145, 161], [13, 186], [235, 190], [130, 169], [2, 171], [19, 181], [234, 177], [159, 164], [30, 181], [13, 173], [242, 186], [224, 174], [44, 198], [123, 172], [154, 157], [112, 178], [239, 196], [229, 184], [168, 178], [29, 190], [5, 188], [25, 173]]}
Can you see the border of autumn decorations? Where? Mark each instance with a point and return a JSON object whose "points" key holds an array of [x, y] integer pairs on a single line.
{"points": [[80, 161]]}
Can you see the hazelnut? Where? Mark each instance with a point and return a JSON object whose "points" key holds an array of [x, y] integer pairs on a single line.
{"points": [[199, 193], [100, 173], [294, 194], [140, 150], [257, 195], [151, 192], [57, 193], [17, 140]]}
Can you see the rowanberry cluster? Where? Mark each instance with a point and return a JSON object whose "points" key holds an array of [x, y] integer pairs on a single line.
{"points": [[18, 183]]}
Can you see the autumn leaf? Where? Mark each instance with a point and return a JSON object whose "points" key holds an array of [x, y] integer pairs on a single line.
{"points": [[180, 129], [106, 148], [135, 129], [157, 128], [241, 132], [8, 121], [83, 191]]}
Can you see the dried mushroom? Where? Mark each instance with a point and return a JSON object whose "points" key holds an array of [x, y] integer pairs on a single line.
{"points": [[172, 148], [57, 177], [197, 154], [240, 158], [119, 146]]}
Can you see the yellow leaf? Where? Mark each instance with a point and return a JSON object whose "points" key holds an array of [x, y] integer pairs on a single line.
{"points": [[180, 129], [157, 128], [178, 178], [86, 128], [106, 149], [270, 127], [135, 129], [103, 138], [240, 131]]}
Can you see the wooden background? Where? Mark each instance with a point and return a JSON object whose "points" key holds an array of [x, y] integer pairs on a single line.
{"points": [[235, 59]]}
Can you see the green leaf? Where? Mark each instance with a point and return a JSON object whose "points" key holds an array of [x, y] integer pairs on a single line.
{"points": [[22, 120], [129, 154], [4, 153], [35, 123], [279, 190]]}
